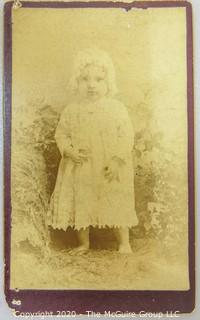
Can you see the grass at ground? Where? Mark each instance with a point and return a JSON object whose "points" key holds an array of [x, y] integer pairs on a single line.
{"points": [[149, 267]]}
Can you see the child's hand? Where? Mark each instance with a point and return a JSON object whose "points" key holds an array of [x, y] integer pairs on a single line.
{"points": [[112, 171], [78, 156]]}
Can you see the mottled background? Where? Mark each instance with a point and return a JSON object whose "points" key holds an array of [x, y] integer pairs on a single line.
{"points": [[148, 49]]}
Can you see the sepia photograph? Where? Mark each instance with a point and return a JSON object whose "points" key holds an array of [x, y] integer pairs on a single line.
{"points": [[99, 149]]}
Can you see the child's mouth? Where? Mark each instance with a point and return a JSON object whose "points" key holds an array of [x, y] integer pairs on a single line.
{"points": [[92, 92]]}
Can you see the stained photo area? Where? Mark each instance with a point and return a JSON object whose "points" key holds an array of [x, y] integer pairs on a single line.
{"points": [[148, 50]]}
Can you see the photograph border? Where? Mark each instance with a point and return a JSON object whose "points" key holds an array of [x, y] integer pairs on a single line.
{"points": [[81, 301]]}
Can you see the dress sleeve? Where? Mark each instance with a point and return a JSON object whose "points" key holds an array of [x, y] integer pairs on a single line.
{"points": [[124, 135], [63, 132]]}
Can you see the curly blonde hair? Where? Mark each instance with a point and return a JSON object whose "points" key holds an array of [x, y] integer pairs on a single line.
{"points": [[97, 57]]}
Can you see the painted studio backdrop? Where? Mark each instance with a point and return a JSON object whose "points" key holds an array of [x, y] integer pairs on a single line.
{"points": [[148, 51]]}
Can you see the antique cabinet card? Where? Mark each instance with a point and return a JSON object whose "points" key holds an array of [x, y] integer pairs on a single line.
{"points": [[99, 158]]}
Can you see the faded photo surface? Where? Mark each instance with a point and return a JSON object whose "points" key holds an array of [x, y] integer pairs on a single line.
{"points": [[99, 168]]}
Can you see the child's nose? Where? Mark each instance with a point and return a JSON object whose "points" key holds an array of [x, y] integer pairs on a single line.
{"points": [[91, 84]]}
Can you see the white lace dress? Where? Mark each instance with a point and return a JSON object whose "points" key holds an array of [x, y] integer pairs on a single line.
{"points": [[83, 196]]}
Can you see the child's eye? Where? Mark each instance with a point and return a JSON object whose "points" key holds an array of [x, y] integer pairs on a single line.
{"points": [[84, 78], [99, 79]]}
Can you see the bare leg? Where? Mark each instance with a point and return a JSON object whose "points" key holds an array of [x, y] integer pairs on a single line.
{"points": [[83, 237], [123, 238]]}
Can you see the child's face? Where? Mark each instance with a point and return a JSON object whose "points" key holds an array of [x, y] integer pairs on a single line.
{"points": [[92, 83]]}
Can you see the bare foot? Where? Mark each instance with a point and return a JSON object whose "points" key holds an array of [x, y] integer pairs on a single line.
{"points": [[125, 248], [80, 249]]}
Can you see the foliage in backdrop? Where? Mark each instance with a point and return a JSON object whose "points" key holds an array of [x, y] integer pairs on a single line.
{"points": [[160, 187]]}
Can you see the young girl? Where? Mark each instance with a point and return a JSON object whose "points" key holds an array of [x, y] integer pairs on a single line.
{"points": [[95, 182]]}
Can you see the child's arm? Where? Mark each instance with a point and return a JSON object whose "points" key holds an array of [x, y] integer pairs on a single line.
{"points": [[123, 145], [124, 136], [63, 139], [63, 133]]}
